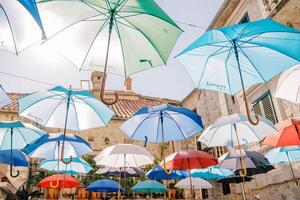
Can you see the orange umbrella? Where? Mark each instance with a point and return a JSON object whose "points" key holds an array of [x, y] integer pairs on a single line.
{"points": [[65, 181], [288, 134]]}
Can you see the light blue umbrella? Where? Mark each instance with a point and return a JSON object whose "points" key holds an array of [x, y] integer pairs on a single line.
{"points": [[149, 186], [236, 57], [104, 185], [65, 108], [284, 155], [77, 166], [16, 135], [158, 173], [213, 172]]}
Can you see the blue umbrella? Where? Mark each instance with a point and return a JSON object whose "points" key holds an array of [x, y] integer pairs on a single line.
{"points": [[158, 173], [65, 108], [16, 135], [213, 172], [149, 186], [284, 155], [104, 185], [236, 57], [17, 158]]}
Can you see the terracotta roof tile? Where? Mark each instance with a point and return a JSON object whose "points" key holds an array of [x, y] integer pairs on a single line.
{"points": [[124, 108]]}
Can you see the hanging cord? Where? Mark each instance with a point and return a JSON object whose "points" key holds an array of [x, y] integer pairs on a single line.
{"points": [[191, 25]]}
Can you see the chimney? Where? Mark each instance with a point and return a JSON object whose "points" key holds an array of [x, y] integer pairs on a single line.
{"points": [[128, 84], [97, 78]]}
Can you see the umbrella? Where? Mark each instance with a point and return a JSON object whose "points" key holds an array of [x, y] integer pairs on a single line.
{"points": [[288, 134], [104, 185], [122, 37], [149, 186], [20, 24], [77, 166], [112, 171], [233, 130], [288, 155], [124, 155], [4, 98], [288, 85], [15, 135], [18, 158], [234, 179], [236, 57], [162, 123], [158, 173], [65, 108], [197, 183], [252, 160], [65, 181], [213, 172], [190, 159]]}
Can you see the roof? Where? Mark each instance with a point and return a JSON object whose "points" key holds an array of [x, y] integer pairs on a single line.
{"points": [[123, 109]]}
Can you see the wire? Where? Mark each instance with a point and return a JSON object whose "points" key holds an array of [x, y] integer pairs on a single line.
{"points": [[191, 25], [28, 79]]}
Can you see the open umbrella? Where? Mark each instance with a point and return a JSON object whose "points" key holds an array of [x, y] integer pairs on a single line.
{"points": [[197, 183], [119, 171], [288, 86], [149, 186], [104, 185], [288, 134], [188, 160], [288, 155], [234, 130], [16, 135], [20, 25], [65, 181], [162, 123], [122, 37], [236, 57], [210, 173], [17, 159], [65, 108], [234, 179], [158, 173], [77, 166]]}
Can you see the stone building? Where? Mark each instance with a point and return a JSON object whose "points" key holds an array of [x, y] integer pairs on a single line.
{"points": [[277, 184]]}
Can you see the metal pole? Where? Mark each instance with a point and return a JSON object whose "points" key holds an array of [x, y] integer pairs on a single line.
{"points": [[294, 177], [11, 155], [243, 191], [65, 130], [191, 184]]}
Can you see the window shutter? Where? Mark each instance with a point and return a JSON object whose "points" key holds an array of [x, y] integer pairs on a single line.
{"points": [[265, 108]]}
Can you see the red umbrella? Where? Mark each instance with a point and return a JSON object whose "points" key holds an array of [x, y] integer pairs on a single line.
{"points": [[190, 159], [288, 134], [65, 181]]}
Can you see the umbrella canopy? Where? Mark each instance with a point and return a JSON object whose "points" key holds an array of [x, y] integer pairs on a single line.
{"points": [[16, 135], [149, 186], [284, 155], [65, 108], [104, 185], [4, 98], [49, 147], [190, 159], [162, 123], [158, 173], [65, 181], [234, 130], [121, 37], [119, 172], [213, 172], [236, 57], [288, 134], [18, 158], [234, 179], [77, 166], [124, 155], [288, 85], [253, 159], [20, 24], [197, 183]]}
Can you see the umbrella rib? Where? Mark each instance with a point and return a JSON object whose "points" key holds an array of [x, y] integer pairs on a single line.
{"points": [[184, 136], [149, 115], [6, 132], [251, 130], [227, 58], [76, 114], [21, 135], [59, 104], [90, 5], [157, 129]]}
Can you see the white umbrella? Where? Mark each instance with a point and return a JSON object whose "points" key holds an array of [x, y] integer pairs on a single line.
{"points": [[234, 130], [288, 86], [197, 183]]}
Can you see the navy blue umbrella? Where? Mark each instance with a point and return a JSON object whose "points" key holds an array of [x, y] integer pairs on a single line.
{"points": [[104, 185], [158, 173], [17, 158]]}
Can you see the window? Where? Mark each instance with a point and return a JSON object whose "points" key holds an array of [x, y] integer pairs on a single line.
{"points": [[245, 19], [264, 107], [226, 188], [204, 193], [199, 145]]}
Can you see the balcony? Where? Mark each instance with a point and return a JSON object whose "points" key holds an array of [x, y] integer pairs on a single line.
{"points": [[271, 7]]}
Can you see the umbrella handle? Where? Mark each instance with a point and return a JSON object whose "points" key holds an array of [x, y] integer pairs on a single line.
{"points": [[11, 172], [66, 162], [248, 113], [116, 95], [168, 172], [54, 186]]}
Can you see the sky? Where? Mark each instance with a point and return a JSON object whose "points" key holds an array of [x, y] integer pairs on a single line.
{"points": [[170, 81]]}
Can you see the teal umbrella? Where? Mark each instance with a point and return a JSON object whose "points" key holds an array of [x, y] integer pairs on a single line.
{"points": [[213, 172], [116, 36], [149, 186]]}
